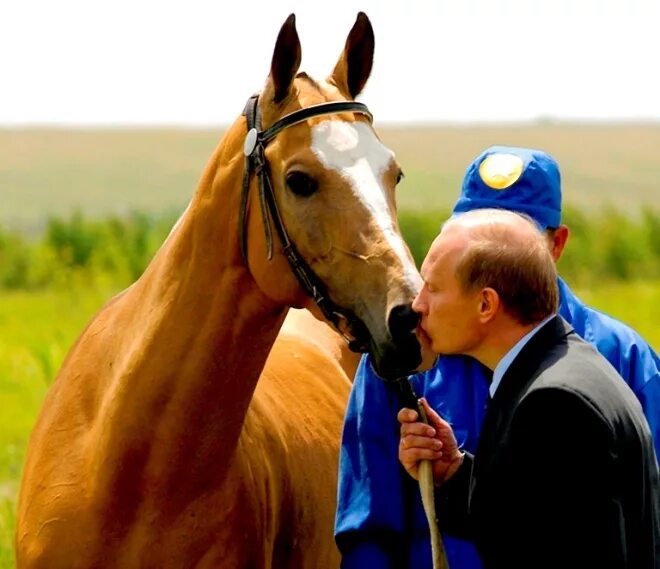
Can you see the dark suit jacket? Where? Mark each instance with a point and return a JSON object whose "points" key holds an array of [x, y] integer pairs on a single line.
{"points": [[565, 473]]}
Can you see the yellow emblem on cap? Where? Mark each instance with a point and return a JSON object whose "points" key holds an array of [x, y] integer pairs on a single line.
{"points": [[500, 171]]}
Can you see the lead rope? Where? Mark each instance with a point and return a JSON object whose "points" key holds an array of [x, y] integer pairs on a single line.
{"points": [[426, 486]]}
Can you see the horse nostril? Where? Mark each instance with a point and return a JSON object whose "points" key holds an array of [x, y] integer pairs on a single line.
{"points": [[402, 321]]}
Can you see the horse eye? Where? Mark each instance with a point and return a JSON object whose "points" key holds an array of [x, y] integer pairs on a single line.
{"points": [[400, 176], [301, 184]]}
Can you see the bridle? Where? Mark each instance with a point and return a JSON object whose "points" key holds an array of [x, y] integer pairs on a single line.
{"points": [[254, 148]]}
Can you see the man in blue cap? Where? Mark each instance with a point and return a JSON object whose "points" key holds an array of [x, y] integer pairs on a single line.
{"points": [[380, 519]]}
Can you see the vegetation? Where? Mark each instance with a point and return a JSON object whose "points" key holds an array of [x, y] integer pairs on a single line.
{"points": [[608, 246], [117, 248]]}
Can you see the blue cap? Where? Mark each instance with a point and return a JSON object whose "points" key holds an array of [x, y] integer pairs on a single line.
{"points": [[517, 179]]}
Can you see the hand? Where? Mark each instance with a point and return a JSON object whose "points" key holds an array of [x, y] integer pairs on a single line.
{"points": [[435, 442]]}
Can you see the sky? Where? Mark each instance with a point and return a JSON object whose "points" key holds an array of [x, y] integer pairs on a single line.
{"points": [[195, 62]]}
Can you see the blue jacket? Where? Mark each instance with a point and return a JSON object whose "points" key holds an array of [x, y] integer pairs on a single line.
{"points": [[380, 520]]}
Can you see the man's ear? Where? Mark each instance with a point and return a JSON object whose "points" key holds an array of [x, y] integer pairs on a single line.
{"points": [[489, 304], [558, 239]]}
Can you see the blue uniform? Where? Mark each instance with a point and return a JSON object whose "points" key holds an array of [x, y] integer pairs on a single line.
{"points": [[380, 520]]}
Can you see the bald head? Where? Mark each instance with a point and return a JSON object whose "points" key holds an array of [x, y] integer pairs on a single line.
{"points": [[506, 252], [482, 221]]}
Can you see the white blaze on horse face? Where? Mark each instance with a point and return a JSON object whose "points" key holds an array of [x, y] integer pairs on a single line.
{"points": [[353, 150]]}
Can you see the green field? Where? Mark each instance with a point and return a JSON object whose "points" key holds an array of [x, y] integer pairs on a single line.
{"points": [[46, 173], [51, 172]]}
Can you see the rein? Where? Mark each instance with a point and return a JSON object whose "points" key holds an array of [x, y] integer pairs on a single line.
{"points": [[254, 148], [409, 399]]}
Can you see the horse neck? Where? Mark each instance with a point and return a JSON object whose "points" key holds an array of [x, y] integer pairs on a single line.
{"points": [[201, 329]]}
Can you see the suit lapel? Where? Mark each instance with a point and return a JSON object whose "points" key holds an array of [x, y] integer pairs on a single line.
{"points": [[518, 376]]}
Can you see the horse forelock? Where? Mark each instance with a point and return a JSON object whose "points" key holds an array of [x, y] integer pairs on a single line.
{"points": [[305, 77], [305, 92]]}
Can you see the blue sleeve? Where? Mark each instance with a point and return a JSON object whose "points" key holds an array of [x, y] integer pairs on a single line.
{"points": [[636, 362], [369, 525], [644, 377]]}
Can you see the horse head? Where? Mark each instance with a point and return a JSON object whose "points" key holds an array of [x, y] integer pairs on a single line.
{"points": [[314, 154]]}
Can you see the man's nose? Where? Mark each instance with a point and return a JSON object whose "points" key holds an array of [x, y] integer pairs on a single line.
{"points": [[418, 303]]}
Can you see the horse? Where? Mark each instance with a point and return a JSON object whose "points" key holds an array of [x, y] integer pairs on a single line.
{"points": [[178, 432], [305, 327]]}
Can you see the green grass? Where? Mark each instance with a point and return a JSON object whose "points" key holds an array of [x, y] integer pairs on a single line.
{"points": [[635, 303], [37, 330]]}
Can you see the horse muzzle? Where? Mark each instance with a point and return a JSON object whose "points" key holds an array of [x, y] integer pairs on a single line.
{"points": [[400, 353]]}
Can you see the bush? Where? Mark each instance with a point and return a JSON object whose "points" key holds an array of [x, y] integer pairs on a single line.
{"points": [[606, 246], [419, 230], [14, 261]]}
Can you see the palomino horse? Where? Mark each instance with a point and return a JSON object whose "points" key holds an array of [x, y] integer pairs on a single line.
{"points": [[155, 447], [301, 324]]}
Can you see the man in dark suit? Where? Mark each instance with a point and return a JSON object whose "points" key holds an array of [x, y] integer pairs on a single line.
{"points": [[565, 473]]}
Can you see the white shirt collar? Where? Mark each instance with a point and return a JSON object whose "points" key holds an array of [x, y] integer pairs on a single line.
{"points": [[508, 358]]}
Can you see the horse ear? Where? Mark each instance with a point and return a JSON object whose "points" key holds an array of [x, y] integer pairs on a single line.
{"points": [[286, 60], [355, 63]]}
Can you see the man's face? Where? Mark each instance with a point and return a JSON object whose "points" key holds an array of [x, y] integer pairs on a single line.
{"points": [[450, 316]]}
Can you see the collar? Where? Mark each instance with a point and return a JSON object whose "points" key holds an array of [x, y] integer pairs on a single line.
{"points": [[508, 358]]}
